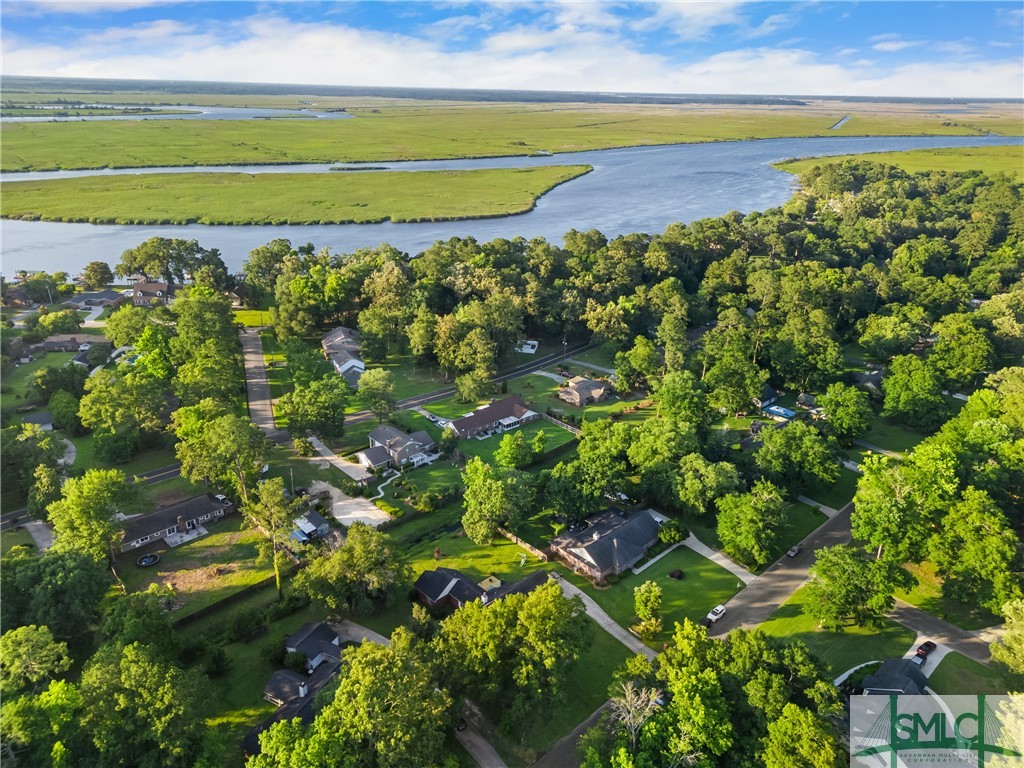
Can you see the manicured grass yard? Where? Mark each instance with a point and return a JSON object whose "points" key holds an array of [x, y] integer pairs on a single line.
{"points": [[554, 436], [840, 650], [838, 494], [705, 586], [16, 538], [203, 571], [927, 596], [891, 436], [16, 382], [597, 356], [959, 675]]}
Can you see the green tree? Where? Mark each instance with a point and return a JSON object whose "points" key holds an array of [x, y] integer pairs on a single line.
{"points": [[57, 589], [386, 712], [357, 577], [377, 388], [846, 587], [123, 406], [318, 409], [142, 617], [23, 450], [211, 372], [699, 482], [306, 363], [170, 260], [886, 336], [44, 491], [514, 653], [735, 381], [847, 411], [801, 739], [568, 492], [978, 553], [29, 656], [647, 606], [265, 264], [681, 396], [494, 498], [83, 518], [125, 326], [62, 321], [422, 332], [140, 710], [48, 381], [153, 348], [913, 393], [749, 523], [228, 449], [64, 410], [513, 452], [97, 274], [639, 366], [797, 455], [271, 513], [1008, 650], [962, 351]]}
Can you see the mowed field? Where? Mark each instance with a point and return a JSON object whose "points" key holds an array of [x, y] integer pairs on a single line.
{"points": [[1008, 160], [322, 198], [442, 132]]}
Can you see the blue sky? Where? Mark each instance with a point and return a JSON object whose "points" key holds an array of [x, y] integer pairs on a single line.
{"points": [[944, 49]]}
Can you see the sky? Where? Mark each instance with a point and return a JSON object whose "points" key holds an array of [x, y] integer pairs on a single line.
{"points": [[868, 48]]}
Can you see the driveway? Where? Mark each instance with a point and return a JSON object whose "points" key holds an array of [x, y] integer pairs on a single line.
{"points": [[930, 627], [606, 622], [758, 600], [350, 509], [257, 387]]}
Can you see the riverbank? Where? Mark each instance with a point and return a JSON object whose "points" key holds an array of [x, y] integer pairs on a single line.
{"points": [[282, 199], [990, 160], [392, 135]]}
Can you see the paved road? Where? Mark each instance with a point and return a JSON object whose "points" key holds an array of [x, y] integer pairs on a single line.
{"points": [[563, 753], [878, 449], [756, 602]]}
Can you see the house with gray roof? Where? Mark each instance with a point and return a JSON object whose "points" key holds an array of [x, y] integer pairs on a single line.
{"points": [[498, 416], [174, 523], [899, 676], [611, 543], [401, 448], [341, 347], [44, 419], [317, 642], [450, 588], [581, 391], [146, 293], [104, 298]]}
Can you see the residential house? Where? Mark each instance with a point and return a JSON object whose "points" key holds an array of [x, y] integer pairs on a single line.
{"points": [[581, 391], [767, 397], [66, 342], [177, 520], [104, 298], [284, 686], [342, 348], [401, 448], [317, 642], [496, 417], [145, 294], [17, 296], [611, 543], [452, 589], [44, 419], [311, 525], [898, 676]]}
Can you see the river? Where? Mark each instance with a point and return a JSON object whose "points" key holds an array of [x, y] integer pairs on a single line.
{"points": [[197, 113], [642, 189]]}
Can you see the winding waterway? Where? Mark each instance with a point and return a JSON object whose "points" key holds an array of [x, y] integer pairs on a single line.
{"points": [[195, 113], [642, 189]]}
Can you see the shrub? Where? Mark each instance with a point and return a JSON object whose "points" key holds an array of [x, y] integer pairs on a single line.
{"points": [[303, 446], [296, 662], [392, 510], [672, 531], [273, 651], [649, 629], [243, 624], [218, 664], [286, 606]]}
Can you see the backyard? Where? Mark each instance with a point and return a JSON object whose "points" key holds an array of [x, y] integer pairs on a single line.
{"points": [[203, 571], [927, 596], [840, 650], [959, 675]]}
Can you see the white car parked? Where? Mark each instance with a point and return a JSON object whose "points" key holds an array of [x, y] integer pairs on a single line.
{"points": [[716, 613]]}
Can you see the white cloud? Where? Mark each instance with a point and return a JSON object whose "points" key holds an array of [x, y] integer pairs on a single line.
{"points": [[692, 20], [847, 52], [891, 46], [40, 7], [271, 48]]}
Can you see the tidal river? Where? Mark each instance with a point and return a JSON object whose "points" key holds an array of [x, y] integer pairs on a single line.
{"points": [[641, 189]]}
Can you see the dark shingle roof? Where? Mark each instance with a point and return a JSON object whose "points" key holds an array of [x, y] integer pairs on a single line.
{"points": [[446, 581], [376, 456], [43, 417], [524, 586], [310, 638], [897, 676], [284, 685], [500, 409], [612, 541], [162, 519]]}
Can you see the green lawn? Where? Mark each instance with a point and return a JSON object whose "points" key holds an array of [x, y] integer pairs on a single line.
{"points": [[990, 160], [959, 675], [144, 461], [16, 538], [705, 586], [252, 318], [840, 650], [15, 384], [554, 436], [597, 356], [538, 392], [927, 596], [285, 198], [891, 436], [203, 571], [836, 495]]}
